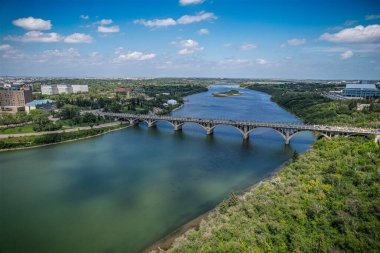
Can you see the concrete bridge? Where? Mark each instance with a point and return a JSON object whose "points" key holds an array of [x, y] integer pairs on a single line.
{"points": [[286, 130]]}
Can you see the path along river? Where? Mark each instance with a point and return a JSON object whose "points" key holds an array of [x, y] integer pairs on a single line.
{"points": [[122, 191]]}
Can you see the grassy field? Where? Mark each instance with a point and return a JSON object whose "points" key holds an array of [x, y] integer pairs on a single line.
{"points": [[18, 130]]}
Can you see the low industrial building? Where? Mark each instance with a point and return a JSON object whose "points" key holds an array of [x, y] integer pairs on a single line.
{"points": [[63, 89], [361, 90], [44, 104], [13, 99]]}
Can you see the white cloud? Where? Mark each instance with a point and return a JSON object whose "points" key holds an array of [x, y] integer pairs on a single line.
{"points": [[203, 31], [31, 23], [346, 55], [36, 36], [188, 19], [4, 47], [296, 42], [156, 22], [184, 20], [233, 63], [247, 46], [188, 46], [78, 38], [70, 52], [358, 34], [187, 2], [261, 61], [104, 22], [109, 29], [134, 56], [372, 17], [85, 17]]}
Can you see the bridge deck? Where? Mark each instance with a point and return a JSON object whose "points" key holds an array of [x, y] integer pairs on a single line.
{"points": [[241, 123]]}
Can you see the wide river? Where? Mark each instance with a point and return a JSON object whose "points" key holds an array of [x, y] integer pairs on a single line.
{"points": [[122, 191]]}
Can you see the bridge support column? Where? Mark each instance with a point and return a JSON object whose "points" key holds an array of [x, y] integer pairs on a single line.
{"points": [[377, 139], [209, 130], [178, 127], [133, 122], [287, 138], [151, 123]]}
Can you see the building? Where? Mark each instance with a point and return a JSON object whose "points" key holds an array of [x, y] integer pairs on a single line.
{"points": [[44, 104], [172, 102], [76, 88], [361, 90], [13, 99], [63, 89], [125, 91]]}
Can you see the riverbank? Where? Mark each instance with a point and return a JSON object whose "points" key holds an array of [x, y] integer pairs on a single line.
{"points": [[167, 242], [28, 142], [313, 204]]}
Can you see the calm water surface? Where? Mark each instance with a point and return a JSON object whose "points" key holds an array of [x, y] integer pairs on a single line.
{"points": [[124, 190]]}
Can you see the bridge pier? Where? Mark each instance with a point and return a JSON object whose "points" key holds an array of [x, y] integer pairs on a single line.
{"points": [[152, 123], [210, 131], [178, 127], [133, 122]]}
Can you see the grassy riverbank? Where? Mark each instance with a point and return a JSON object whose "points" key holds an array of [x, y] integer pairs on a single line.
{"points": [[318, 203], [41, 140]]}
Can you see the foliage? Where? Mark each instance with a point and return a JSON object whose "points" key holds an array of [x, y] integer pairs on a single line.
{"points": [[17, 118], [316, 204], [306, 101], [29, 141]]}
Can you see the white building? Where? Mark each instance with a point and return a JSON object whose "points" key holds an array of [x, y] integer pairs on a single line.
{"points": [[172, 102], [79, 88], [63, 89]]}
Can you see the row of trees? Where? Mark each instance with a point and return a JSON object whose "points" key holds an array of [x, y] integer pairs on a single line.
{"points": [[307, 102]]}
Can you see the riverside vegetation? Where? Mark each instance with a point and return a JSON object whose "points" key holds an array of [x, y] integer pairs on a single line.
{"points": [[29, 141], [326, 200]]}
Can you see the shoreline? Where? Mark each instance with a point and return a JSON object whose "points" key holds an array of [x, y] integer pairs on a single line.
{"points": [[167, 241], [62, 142]]}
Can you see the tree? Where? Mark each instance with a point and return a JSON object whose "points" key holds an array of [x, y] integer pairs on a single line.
{"points": [[69, 111], [295, 156]]}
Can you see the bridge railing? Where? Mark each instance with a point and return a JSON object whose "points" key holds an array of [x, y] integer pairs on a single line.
{"points": [[252, 123]]}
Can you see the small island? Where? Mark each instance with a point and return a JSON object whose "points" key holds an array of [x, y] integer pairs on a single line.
{"points": [[227, 93]]}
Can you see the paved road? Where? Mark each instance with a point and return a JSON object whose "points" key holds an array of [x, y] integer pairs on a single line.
{"points": [[3, 136]]}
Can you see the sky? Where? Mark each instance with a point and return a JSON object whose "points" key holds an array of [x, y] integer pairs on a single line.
{"points": [[313, 39]]}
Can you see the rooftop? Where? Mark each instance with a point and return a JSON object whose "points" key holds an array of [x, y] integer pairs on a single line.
{"points": [[360, 86], [40, 102]]}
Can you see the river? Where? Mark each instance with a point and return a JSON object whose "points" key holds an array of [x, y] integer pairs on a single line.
{"points": [[122, 191]]}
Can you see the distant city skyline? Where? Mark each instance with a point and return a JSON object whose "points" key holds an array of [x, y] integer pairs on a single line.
{"points": [[191, 38]]}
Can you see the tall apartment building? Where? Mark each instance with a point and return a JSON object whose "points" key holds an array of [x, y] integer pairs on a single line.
{"points": [[63, 89], [13, 99]]}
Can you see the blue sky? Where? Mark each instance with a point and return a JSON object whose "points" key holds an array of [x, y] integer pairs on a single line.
{"points": [[191, 38]]}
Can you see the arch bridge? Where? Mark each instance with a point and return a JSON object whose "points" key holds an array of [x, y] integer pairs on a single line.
{"points": [[286, 130]]}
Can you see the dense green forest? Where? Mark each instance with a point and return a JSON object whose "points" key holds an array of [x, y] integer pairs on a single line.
{"points": [[318, 203], [305, 101]]}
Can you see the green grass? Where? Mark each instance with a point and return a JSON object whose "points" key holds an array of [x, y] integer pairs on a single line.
{"points": [[18, 130]]}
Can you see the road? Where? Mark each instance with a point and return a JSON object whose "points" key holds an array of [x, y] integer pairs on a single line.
{"points": [[4, 136]]}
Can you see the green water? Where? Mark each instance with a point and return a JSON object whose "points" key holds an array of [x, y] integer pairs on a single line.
{"points": [[122, 191]]}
